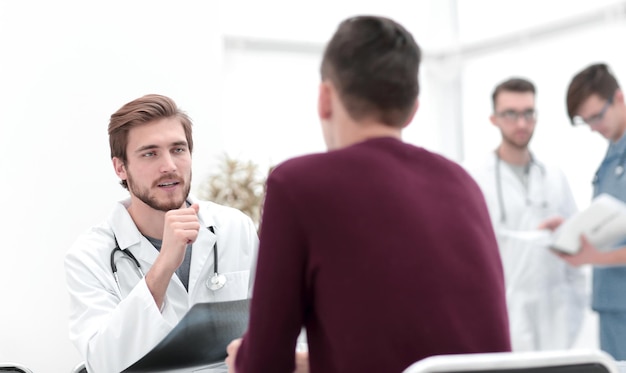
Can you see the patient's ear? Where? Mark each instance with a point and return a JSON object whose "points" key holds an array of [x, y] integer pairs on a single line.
{"points": [[409, 119], [324, 107]]}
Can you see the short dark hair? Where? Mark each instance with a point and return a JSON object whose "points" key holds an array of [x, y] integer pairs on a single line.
{"points": [[594, 79], [140, 111], [519, 85], [374, 64]]}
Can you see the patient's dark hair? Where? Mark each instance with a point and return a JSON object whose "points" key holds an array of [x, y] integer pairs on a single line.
{"points": [[374, 64]]}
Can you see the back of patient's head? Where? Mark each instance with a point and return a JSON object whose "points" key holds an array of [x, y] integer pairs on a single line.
{"points": [[595, 79], [373, 62]]}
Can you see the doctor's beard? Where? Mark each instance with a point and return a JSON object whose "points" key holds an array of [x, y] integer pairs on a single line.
{"points": [[151, 200], [516, 143]]}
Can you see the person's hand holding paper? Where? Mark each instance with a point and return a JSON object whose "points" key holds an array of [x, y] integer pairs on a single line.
{"points": [[543, 235], [540, 237], [603, 224], [588, 254]]}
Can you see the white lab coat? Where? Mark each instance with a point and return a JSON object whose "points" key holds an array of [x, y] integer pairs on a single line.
{"points": [[546, 297], [113, 330]]}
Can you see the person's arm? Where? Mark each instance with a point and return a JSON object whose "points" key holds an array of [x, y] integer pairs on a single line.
{"points": [[269, 344], [301, 358], [112, 331], [181, 228], [589, 254]]}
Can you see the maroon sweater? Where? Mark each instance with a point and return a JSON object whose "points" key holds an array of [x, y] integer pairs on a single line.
{"points": [[385, 252]]}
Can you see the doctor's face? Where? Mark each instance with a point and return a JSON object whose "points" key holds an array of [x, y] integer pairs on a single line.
{"points": [[601, 115], [158, 168], [516, 117]]}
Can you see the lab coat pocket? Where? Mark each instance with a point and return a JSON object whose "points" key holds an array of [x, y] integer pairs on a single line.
{"points": [[235, 287]]}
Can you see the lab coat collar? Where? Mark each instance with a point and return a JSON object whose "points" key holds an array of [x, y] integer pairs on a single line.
{"points": [[123, 226], [204, 215], [202, 254], [129, 237], [533, 160], [126, 231]]}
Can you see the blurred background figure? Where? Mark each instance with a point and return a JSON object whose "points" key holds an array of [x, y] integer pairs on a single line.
{"points": [[545, 296], [594, 98]]}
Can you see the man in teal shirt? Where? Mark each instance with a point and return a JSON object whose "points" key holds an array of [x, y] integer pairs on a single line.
{"points": [[594, 98]]}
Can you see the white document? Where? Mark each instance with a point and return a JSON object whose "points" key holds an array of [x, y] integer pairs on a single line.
{"points": [[603, 223], [543, 237]]}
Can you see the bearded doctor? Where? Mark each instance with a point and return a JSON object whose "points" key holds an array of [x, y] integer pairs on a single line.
{"points": [[526, 198], [160, 251]]}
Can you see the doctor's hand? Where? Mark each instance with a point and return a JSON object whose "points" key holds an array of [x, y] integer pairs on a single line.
{"points": [[181, 227], [551, 223]]}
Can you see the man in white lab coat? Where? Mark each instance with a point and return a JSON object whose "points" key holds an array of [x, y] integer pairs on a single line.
{"points": [[160, 242], [546, 297]]}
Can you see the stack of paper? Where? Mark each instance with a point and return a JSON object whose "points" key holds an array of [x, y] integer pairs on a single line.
{"points": [[603, 223]]}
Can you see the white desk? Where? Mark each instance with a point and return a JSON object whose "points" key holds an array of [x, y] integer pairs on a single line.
{"points": [[213, 368]]}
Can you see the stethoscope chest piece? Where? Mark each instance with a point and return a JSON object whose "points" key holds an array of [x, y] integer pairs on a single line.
{"points": [[216, 282], [619, 170]]}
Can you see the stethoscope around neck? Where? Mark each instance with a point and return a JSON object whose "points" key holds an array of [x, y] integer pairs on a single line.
{"points": [[216, 282], [532, 162]]}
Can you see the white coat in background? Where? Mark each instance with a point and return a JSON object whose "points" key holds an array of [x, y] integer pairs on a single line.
{"points": [[546, 297], [112, 330]]}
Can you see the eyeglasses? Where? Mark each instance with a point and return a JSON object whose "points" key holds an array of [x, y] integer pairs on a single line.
{"points": [[594, 119], [513, 116]]}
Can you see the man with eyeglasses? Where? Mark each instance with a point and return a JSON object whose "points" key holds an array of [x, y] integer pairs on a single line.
{"points": [[545, 296], [594, 98]]}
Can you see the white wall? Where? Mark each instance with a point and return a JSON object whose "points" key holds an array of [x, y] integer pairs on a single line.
{"points": [[67, 65], [550, 63]]}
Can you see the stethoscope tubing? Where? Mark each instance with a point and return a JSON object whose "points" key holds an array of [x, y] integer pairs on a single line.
{"points": [[128, 255], [216, 282], [499, 188]]}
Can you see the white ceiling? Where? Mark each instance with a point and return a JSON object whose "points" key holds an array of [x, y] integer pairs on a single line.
{"points": [[436, 24]]}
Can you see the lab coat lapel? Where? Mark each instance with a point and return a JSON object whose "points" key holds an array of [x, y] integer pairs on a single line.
{"points": [[128, 236], [202, 254]]}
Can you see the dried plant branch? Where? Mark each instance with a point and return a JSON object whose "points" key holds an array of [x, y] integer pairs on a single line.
{"points": [[238, 184]]}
